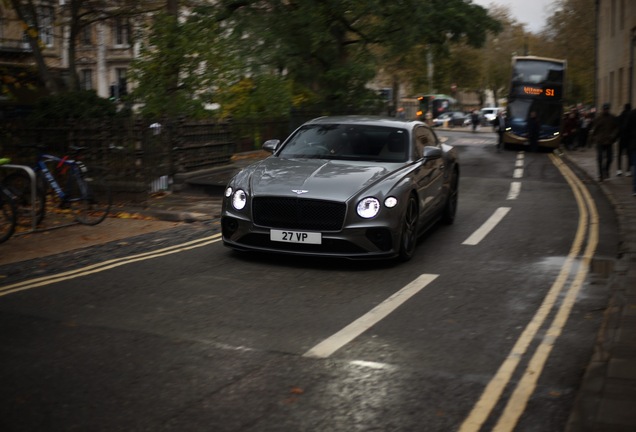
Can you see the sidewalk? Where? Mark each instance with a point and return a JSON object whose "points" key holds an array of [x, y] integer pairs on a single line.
{"points": [[606, 401]]}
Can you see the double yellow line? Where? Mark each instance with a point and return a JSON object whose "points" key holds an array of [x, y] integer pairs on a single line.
{"points": [[587, 230], [106, 265]]}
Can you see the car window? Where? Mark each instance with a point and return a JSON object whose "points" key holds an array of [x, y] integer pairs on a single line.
{"points": [[423, 137]]}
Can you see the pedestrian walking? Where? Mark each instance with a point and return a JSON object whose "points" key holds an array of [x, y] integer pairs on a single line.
{"points": [[570, 125], [534, 130], [474, 118], [499, 125], [630, 136], [622, 142], [604, 133], [584, 129]]}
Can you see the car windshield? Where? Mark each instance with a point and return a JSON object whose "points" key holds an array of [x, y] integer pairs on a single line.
{"points": [[348, 142]]}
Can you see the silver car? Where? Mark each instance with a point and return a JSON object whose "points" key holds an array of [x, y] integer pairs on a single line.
{"points": [[351, 187]]}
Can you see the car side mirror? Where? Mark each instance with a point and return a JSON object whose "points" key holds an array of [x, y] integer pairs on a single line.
{"points": [[271, 145], [432, 153]]}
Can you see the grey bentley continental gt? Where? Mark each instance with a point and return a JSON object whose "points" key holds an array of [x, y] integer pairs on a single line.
{"points": [[351, 187]]}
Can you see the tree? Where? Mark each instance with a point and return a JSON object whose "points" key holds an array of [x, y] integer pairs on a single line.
{"points": [[488, 68], [499, 51], [334, 47], [568, 36], [183, 63]]}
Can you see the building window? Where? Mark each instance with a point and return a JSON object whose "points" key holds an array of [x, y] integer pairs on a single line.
{"points": [[86, 36], [121, 32], [86, 79], [47, 18], [122, 81], [119, 88]]}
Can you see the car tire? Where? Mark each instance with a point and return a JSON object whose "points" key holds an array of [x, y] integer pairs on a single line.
{"points": [[450, 207], [408, 236]]}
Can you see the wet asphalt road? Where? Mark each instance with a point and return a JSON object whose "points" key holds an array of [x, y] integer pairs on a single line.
{"points": [[206, 339]]}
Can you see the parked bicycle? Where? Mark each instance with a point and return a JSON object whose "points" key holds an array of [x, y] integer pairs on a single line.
{"points": [[74, 189], [8, 211]]}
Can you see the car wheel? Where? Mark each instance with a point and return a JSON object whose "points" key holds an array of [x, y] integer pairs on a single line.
{"points": [[450, 208], [408, 238]]}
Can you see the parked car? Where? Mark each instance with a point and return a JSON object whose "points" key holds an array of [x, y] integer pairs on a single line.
{"points": [[452, 118], [489, 114], [350, 186]]}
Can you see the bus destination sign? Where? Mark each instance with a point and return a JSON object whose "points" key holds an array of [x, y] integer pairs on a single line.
{"points": [[538, 91]]}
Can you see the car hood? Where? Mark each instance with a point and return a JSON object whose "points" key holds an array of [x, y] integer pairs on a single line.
{"points": [[312, 178]]}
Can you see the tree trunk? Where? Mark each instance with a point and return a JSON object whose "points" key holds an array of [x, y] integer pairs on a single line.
{"points": [[172, 80], [74, 30]]}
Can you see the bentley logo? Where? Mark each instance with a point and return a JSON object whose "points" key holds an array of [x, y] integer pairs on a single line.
{"points": [[299, 191]]}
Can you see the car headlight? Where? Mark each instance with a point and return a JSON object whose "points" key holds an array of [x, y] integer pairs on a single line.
{"points": [[390, 202], [239, 199], [368, 207], [228, 192]]}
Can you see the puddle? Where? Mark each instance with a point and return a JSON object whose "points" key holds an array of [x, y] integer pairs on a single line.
{"points": [[599, 267]]}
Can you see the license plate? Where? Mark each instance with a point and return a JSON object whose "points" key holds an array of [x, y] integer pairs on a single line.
{"points": [[295, 236]]}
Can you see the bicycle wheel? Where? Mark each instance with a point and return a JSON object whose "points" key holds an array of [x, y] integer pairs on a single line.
{"points": [[89, 197], [19, 185], [8, 216]]}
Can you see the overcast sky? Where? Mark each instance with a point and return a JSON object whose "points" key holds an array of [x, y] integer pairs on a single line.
{"points": [[533, 13]]}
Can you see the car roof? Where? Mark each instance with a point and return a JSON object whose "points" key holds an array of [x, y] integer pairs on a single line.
{"points": [[366, 120]]}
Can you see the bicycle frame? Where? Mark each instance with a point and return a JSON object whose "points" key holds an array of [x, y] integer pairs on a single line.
{"points": [[76, 167], [63, 182]]}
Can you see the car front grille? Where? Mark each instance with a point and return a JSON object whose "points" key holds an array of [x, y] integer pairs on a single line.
{"points": [[298, 213]]}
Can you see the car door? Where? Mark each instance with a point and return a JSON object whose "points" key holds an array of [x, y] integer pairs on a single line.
{"points": [[429, 176]]}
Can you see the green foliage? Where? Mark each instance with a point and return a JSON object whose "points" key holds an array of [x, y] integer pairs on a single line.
{"points": [[83, 104], [266, 57], [181, 65], [569, 36], [266, 96]]}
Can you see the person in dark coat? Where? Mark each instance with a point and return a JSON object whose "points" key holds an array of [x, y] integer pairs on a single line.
{"points": [[604, 133], [622, 142], [499, 124], [534, 129], [474, 118], [584, 129], [570, 128], [630, 137]]}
